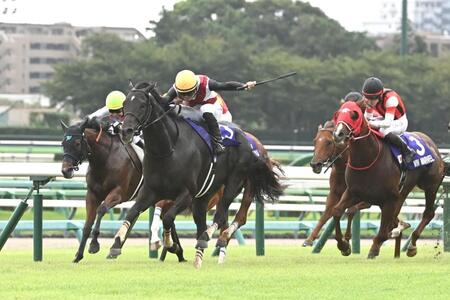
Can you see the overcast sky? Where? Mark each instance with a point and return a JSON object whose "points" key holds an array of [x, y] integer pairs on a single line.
{"points": [[137, 13]]}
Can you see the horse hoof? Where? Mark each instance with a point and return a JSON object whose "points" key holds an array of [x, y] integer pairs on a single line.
{"points": [[198, 262], [114, 253], [412, 251], [202, 244], [77, 259], [94, 248], [371, 255], [347, 252], [307, 243], [155, 246]]}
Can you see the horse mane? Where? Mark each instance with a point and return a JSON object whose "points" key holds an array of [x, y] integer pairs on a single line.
{"points": [[150, 87]]}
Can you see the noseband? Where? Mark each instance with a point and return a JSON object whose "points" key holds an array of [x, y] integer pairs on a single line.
{"points": [[330, 161]]}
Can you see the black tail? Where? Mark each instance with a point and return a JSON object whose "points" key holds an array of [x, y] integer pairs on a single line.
{"points": [[446, 165], [264, 182]]}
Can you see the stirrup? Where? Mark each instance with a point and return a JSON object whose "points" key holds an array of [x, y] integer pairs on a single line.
{"points": [[219, 147]]}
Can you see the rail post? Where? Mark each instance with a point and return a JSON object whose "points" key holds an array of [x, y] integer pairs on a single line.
{"points": [[259, 228], [151, 253], [15, 217], [324, 237], [446, 217], [356, 233]]}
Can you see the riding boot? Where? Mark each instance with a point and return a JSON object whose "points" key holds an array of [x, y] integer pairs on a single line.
{"points": [[407, 153], [140, 144], [214, 131]]}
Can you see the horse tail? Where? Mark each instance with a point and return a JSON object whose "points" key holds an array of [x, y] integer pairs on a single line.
{"points": [[264, 181], [446, 165]]}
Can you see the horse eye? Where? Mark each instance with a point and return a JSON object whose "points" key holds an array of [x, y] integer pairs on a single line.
{"points": [[328, 143]]}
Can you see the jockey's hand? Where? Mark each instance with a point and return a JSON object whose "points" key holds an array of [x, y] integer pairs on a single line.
{"points": [[249, 85]]}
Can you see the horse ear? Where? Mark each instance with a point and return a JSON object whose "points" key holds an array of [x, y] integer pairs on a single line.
{"points": [[151, 86], [130, 84], [320, 127], [341, 102], [84, 124], [63, 126], [354, 115]]}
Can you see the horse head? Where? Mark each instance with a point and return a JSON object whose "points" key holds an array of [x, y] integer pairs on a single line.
{"points": [[138, 108], [349, 120], [75, 147], [325, 149]]}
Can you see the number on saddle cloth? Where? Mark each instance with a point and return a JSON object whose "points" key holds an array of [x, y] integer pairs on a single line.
{"points": [[423, 156]]}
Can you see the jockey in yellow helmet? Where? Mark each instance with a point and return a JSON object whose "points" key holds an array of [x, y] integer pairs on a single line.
{"points": [[111, 115], [199, 91]]}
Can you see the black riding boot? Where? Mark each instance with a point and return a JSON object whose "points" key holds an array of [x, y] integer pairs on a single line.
{"points": [[407, 153], [140, 144], [214, 131]]}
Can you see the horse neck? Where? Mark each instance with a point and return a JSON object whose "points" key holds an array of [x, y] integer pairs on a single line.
{"points": [[162, 135], [364, 151]]}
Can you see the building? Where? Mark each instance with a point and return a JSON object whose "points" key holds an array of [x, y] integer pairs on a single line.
{"points": [[28, 52], [430, 16]]}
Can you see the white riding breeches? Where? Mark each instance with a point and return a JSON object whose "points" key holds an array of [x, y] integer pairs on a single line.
{"points": [[217, 111], [397, 126]]}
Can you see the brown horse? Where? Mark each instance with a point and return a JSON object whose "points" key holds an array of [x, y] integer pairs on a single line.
{"points": [[113, 175], [328, 153], [373, 174]]}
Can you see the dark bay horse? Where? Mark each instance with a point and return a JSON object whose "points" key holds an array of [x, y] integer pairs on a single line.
{"points": [[178, 166], [373, 174], [113, 175]]}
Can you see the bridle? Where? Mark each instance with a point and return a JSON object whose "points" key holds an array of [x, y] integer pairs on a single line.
{"points": [[85, 151], [147, 120], [331, 160]]}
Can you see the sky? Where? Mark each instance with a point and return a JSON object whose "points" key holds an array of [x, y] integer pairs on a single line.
{"points": [[136, 13]]}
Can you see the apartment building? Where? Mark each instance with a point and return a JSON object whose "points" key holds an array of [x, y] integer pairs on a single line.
{"points": [[28, 52]]}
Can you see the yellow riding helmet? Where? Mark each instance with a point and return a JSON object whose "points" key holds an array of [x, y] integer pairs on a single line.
{"points": [[114, 100], [185, 82]]}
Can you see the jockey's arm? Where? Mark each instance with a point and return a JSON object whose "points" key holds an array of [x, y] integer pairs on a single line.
{"points": [[224, 86], [99, 113], [391, 105]]}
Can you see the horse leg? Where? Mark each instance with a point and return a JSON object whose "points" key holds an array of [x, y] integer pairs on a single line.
{"points": [[143, 201], [387, 219], [182, 202], [338, 211], [170, 238], [91, 205], [239, 219], [427, 216], [350, 214], [199, 215], [160, 208], [332, 199], [112, 199], [232, 189]]}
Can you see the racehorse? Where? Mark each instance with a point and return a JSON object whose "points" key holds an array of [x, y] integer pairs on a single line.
{"points": [[374, 175], [178, 165], [106, 185], [328, 153], [113, 175], [241, 215]]}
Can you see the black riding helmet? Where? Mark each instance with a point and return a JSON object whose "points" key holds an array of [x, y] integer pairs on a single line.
{"points": [[372, 88], [353, 96]]}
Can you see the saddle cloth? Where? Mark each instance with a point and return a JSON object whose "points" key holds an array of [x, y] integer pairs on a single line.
{"points": [[423, 156]]}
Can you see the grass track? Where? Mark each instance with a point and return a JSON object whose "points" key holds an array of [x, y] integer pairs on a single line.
{"points": [[286, 272]]}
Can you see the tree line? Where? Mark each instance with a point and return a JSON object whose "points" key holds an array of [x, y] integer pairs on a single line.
{"points": [[238, 40]]}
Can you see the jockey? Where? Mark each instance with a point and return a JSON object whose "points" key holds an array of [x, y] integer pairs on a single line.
{"points": [[111, 115], [389, 105], [199, 91], [353, 96]]}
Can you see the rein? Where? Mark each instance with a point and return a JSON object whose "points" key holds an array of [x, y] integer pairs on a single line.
{"points": [[147, 122], [329, 162], [376, 158]]}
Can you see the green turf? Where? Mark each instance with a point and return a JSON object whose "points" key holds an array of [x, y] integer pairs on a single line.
{"points": [[286, 272]]}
